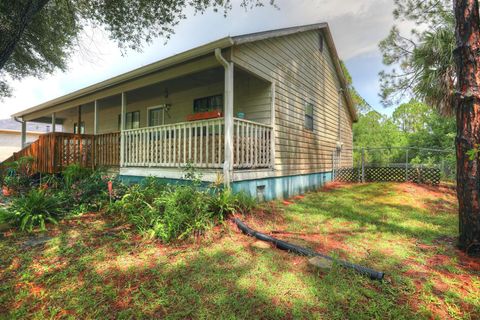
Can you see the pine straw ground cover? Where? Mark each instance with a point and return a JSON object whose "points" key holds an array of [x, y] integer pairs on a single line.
{"points": [[93, 268]]}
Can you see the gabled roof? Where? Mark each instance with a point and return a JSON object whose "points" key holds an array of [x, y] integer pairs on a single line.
{"points": [[205, 49]]}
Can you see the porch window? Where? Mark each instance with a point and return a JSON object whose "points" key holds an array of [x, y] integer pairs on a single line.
{"points": [[208, 103], [309, 116], [82, 128], [132, 120], [155, 117]]}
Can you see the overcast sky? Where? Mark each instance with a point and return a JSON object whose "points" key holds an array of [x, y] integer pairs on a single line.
{"points": [[357, 27]]}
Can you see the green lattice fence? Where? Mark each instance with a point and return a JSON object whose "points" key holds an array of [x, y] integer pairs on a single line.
{"points": [[417, 174]]}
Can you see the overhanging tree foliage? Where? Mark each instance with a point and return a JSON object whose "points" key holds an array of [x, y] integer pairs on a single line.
{"points": [[422, 61], [38, 36]]}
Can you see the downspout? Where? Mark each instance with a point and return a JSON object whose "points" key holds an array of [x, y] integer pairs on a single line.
{"points": [[339, 134], [339, 145], [24, 131], [228, 117]]}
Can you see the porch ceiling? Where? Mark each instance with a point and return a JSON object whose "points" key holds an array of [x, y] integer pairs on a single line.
{"points": [[212, 75]]}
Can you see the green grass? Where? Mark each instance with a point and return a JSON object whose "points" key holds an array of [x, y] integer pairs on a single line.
{"points": [[93, 268]]}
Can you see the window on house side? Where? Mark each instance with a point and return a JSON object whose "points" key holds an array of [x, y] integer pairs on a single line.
{"points": [[309, 116], [132, 120], [208, 103]]}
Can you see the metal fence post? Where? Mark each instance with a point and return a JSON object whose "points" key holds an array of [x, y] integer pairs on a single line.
{"points": [[333, 166], [406, 166], [363, 165]]}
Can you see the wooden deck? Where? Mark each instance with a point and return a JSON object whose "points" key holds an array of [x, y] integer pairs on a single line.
{"points": [[201, 143], [52, 152]]}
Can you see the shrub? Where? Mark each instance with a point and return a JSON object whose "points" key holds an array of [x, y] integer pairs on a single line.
{"points": [[177, 212], [245, 202], [34, 209], [138, 197], [88, 192], [166, 212], [18, 175], [223, 202], [74, 173], [183, 211], [4, 216]]}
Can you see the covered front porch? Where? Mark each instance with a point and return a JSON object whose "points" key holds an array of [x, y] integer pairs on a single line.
{"points": [[218, 119]]}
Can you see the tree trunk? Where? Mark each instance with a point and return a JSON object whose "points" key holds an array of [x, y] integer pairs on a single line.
{"points": [[12, 28], [467, 56]]}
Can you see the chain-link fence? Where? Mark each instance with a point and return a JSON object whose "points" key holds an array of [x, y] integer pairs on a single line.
{"points": [[420, 165]]}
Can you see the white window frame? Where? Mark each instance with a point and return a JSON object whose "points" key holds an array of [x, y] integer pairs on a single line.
{"points": [[305, 115], [160, 106]]}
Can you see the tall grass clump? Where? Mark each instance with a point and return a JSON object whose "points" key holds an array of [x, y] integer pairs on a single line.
{"points": [[176, 212]]}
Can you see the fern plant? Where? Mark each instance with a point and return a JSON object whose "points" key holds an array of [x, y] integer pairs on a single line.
{"points": [[36, 208]]}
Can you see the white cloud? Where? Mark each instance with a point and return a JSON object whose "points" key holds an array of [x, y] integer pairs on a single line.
{"points": [[357, 27]]}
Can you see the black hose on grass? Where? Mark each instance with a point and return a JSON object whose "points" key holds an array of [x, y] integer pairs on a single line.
{"points": [[374, 275]]}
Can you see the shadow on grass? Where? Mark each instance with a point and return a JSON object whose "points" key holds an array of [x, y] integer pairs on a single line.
{"points": [[115, 277], [365, 206]]}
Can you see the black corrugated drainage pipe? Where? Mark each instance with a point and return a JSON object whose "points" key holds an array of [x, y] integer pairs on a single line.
{"points": [[374, 275]]}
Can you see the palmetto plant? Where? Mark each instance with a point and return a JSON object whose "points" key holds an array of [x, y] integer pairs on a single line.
{"points": [[36, 208]]}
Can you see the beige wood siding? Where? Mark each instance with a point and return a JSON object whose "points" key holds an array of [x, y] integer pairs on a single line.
{"points": [[252, 96], [10, 142], [302, 74]]}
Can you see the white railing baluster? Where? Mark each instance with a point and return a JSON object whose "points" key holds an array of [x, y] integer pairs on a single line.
{"points": [[236, 157], [207, 141], [201, 142], [202, 161], [174, 160], [221, 134], [213, 143], [184, 144], [196, 138]]}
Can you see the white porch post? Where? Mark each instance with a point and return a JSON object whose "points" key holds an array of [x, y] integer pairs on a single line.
{"points": [[272, 137], [228, 118], [24, 133], [95, 118], [54, 122], [122, 128], [228, 167]]}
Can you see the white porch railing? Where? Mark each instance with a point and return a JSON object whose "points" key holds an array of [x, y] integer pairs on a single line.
{"points": [[200, 142]]}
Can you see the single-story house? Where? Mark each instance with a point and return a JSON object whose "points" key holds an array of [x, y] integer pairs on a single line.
{"points": [[11, 135], [262, 112]]}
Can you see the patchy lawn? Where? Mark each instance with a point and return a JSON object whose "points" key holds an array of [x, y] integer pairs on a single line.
{"points": [[92, 268]]}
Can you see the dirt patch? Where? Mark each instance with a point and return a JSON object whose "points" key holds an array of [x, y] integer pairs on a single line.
{"points": [[330, 186]]}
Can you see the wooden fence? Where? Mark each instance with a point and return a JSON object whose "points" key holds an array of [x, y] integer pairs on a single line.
{"points": [[52, 152]]}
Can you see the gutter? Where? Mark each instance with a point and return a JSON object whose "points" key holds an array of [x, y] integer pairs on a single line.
{"points": [[23, 132], [131, 75]]}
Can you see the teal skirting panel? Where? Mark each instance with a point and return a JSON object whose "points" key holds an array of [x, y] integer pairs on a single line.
{"points": [[262, 189], [282, 187]]}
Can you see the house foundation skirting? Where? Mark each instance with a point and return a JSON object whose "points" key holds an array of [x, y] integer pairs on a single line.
{"points": [[261, 184], [282, 187]]}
